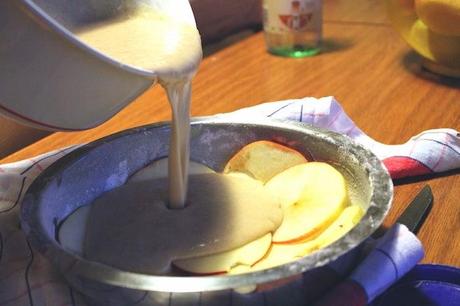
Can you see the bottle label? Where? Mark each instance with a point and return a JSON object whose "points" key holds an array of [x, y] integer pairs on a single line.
{"points": [[296, 15]]}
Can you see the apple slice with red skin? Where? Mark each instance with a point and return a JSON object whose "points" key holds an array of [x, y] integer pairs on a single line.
{"points": [[264, 159]]}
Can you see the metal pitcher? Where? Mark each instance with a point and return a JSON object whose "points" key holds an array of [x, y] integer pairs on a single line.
{"points": [[50, 79]]}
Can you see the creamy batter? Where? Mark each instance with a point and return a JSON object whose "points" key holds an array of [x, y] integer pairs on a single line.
{"points": [[172, 50], [148, 40], [140, 234], [222, 213]]}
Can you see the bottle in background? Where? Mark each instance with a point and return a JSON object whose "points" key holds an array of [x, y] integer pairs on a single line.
{"points": [[293, 28]]}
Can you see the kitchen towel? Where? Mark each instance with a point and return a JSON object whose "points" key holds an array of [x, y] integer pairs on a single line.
{"points": [[26, 278], [431, 151], [392, 256]]}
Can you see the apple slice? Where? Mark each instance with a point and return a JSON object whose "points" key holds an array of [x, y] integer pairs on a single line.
{"points": [[280, 254], [219, 263], [349, 217], [264, 159], [159, 168], [242, 175], [312, 195], [283, 253]]}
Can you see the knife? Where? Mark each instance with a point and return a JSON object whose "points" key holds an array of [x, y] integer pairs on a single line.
{"points": [[417, 210], [415, 213]]}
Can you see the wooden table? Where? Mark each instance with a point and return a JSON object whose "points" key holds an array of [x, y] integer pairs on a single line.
{"points": [[365, 65]]}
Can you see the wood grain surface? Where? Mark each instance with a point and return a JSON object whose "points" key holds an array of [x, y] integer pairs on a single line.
{"points": [[365, 65], [14, 136], [355, 11]]}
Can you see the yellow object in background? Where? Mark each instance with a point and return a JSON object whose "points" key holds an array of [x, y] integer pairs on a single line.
{"points": [[440, 16], [432, 28]]}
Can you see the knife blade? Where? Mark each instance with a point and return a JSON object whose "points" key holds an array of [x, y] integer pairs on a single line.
{"points": [[417, 210]]}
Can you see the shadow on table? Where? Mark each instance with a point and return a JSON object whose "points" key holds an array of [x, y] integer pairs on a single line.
{"points": [[334, 45], [327, 45], [420, 178], [413, 63], [211, 48]]}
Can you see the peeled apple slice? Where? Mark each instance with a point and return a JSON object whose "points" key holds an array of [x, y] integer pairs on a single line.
{"points": [[312, 195], [283, 253], [280, 254], [349, 217], [246, 255], [264, 159]]}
